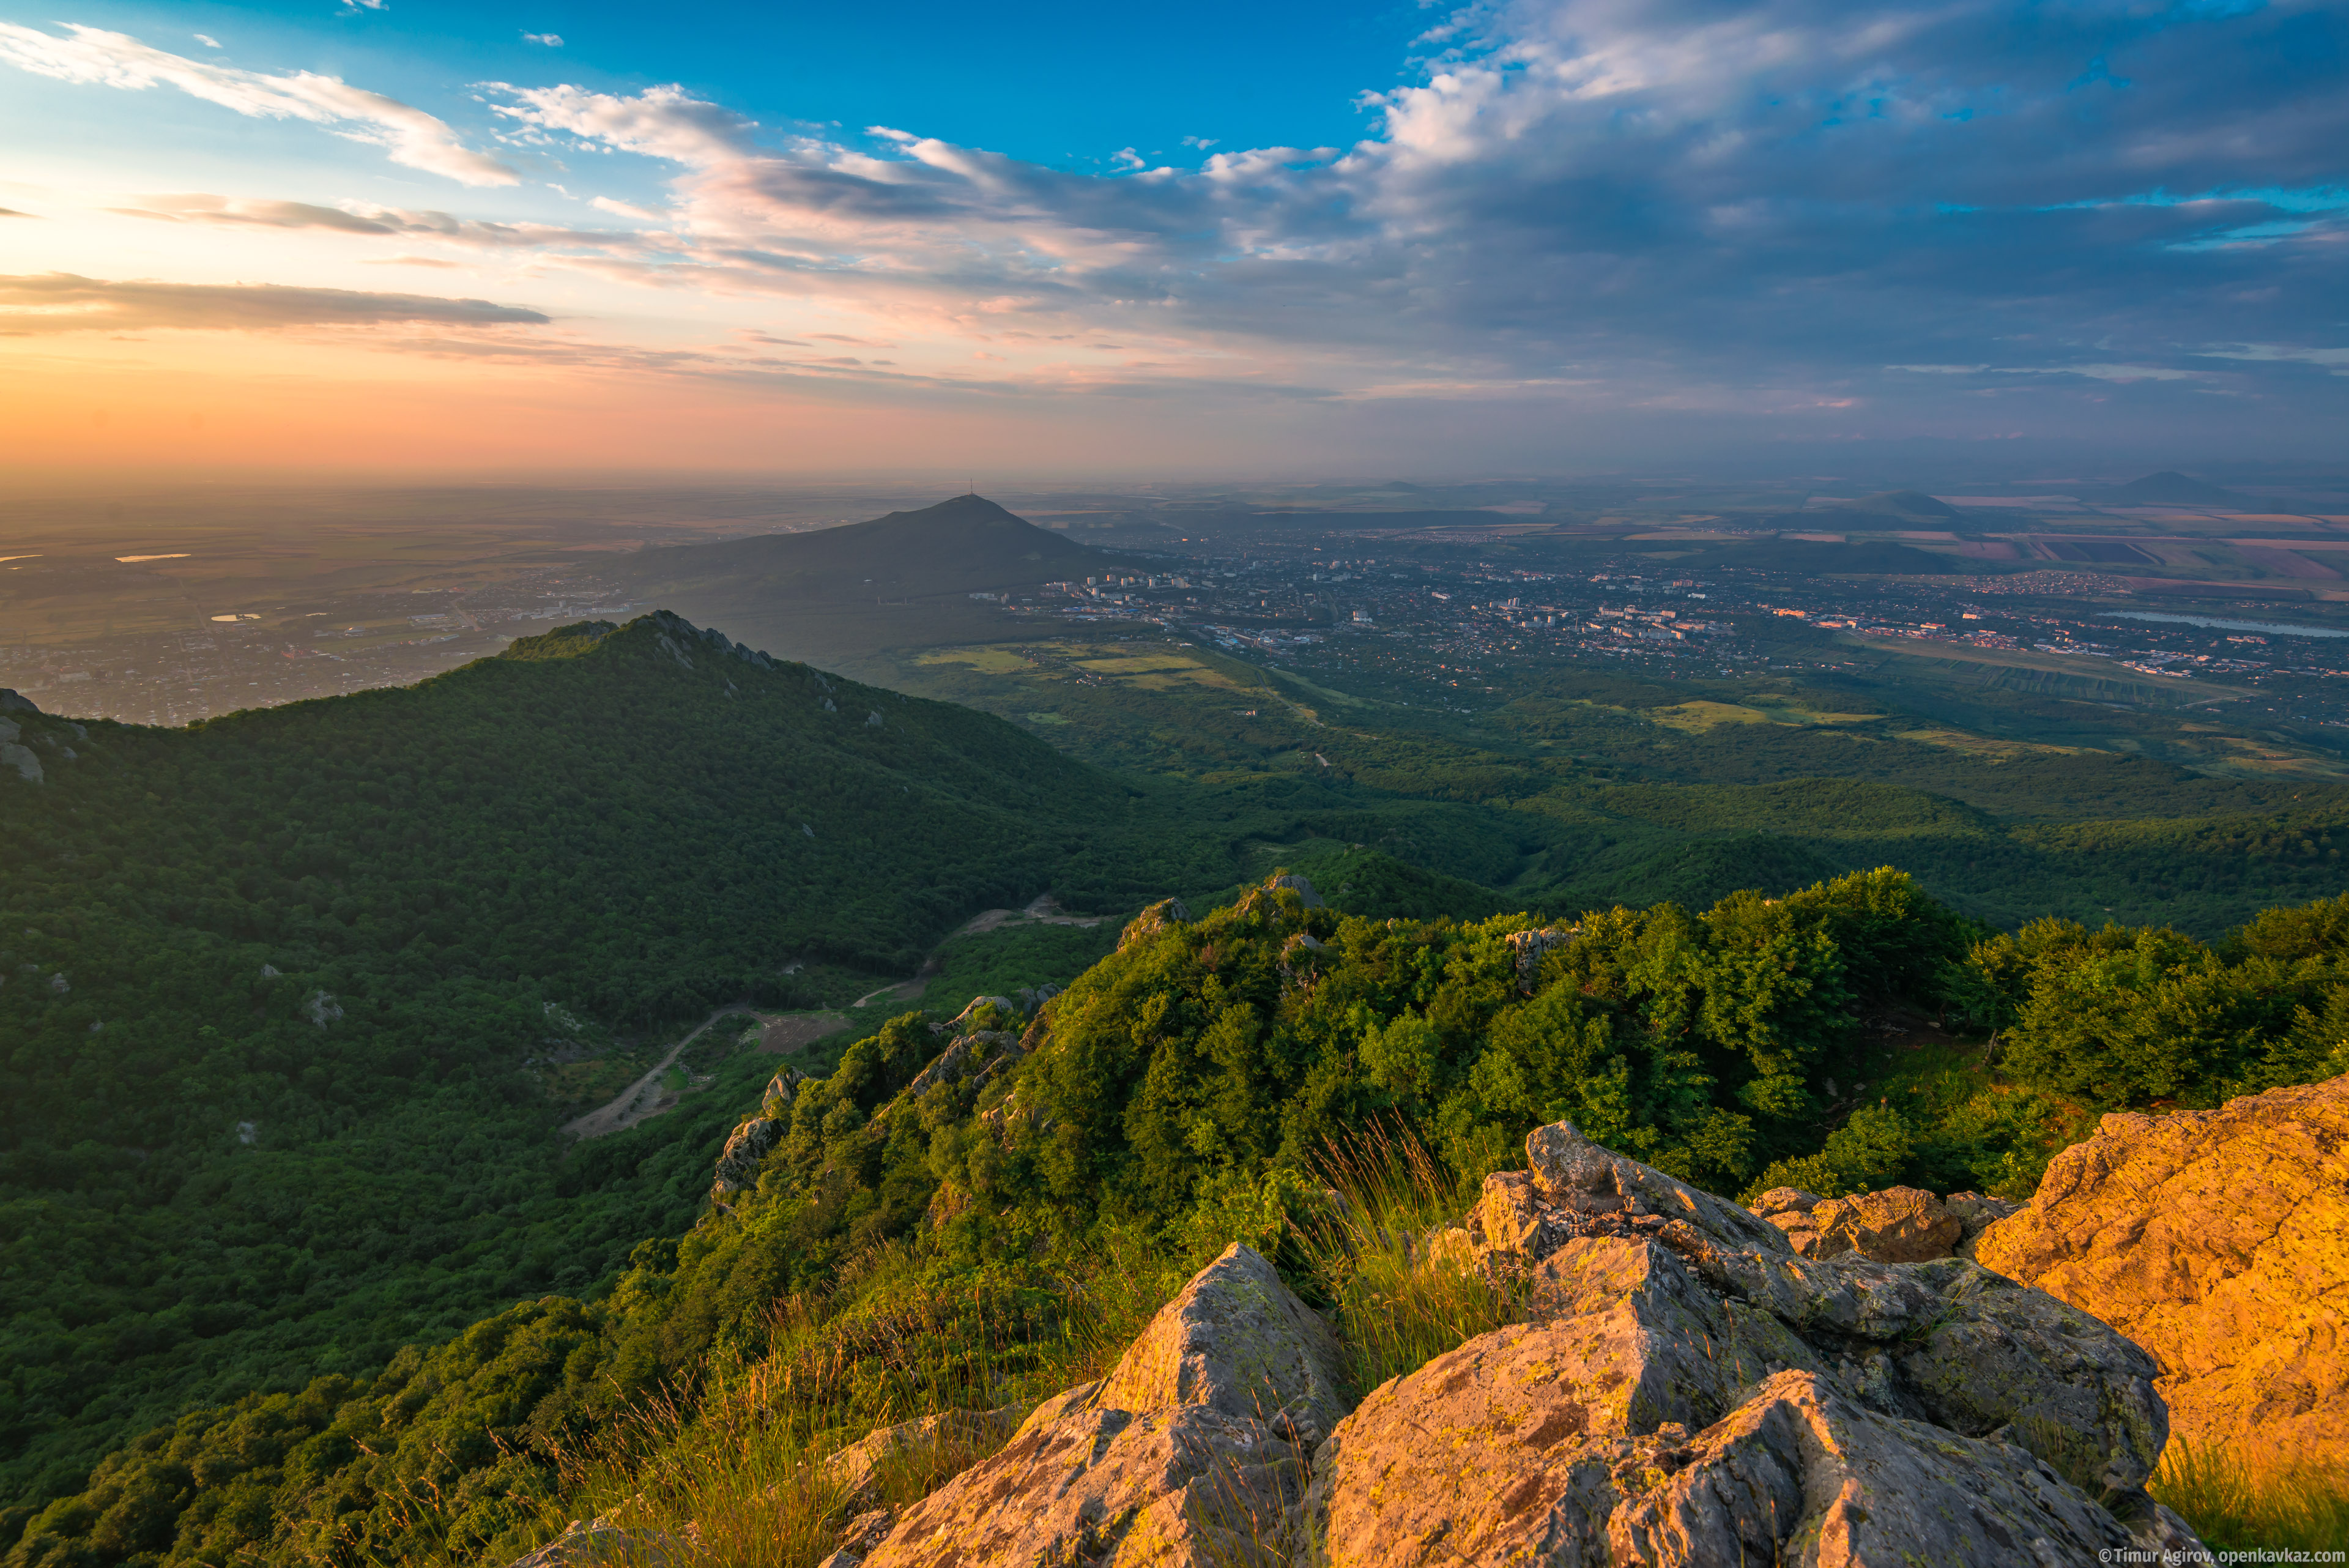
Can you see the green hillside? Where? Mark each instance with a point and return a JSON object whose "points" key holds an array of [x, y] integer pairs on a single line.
{"points": [[294, 1000], [950, 1223]]}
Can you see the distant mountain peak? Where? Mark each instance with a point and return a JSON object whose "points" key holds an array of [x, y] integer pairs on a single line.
{"points": [[1903, 503], [2171, 486]]}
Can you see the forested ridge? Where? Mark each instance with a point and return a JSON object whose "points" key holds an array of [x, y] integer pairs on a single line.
{"points": [[282, 990], [293, 1003], [916, 1233]]}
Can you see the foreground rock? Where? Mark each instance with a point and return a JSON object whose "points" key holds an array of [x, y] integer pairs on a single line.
{"points": [[1898, 1225], [2220, 1242], [1190, 1453], [1688, 1390], [857, 1468]]}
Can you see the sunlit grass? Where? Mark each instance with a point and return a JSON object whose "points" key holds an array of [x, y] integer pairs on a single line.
{"points": [[1395, 1307], [735, 1475], [2244, 1494]]}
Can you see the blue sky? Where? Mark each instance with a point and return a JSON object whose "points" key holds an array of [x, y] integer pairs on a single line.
{"points": [[1057, 82], [1516, 233]]}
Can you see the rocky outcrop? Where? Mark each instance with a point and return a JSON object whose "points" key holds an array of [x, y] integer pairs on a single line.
{"points": [[856, 1469], [12, 754], [1976, 1213], [1529, 947], [1898, 1225], [746, 1148], [981, 1055], [973, 1011], [1687, 1389], [1190, 1452], [2218, 1240], [782, 1091], [1159, 917], [1300, 886]]}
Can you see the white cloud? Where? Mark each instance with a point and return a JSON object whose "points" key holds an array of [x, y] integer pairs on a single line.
{"points": [[207, 40], [552, 40], [624, 209], [58, 302], [413, 137], [659, 122], [365, 218], [1741, 207]]}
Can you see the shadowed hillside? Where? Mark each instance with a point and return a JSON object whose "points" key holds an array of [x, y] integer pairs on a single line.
{"points": [[902, 580]]}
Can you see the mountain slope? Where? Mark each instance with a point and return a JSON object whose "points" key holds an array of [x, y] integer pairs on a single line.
{"points": [[281, 990], [903, 581], [2179, 489], [959, 545]]}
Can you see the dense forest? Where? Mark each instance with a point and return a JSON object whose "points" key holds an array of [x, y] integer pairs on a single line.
{"points": [[293, 999], [295, 1003], [1191, 1087]]}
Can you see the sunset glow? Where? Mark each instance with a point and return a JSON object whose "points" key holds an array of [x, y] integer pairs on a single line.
{"points": [[400, 236]]}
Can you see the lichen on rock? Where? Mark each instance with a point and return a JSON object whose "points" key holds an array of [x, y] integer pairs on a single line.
{"points": [[1689, 1390], [2215, 1240], [1189, 1454]]}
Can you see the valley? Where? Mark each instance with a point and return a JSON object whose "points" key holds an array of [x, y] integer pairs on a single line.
{"points": [[355, 1037]]}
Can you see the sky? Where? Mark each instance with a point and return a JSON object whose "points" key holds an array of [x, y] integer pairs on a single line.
{"points": [[405, 237]]}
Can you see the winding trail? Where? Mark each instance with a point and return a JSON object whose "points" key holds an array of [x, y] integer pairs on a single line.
{"points": [[642, 1098]]}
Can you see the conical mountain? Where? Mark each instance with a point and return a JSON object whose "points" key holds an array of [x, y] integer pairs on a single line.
{"points": [[1909, 503], [959, 547], [837, 597], [2175, 488]]}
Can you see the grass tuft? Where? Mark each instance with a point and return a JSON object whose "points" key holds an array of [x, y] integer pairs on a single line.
{"points": [[1396, 1307], [2240, 1496]]}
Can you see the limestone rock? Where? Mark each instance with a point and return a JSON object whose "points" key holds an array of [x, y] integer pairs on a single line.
{"points": [[13, 702], [738, 1163], [863, 1532], [1688, 1390], [977, 1005], [1187, 1454], [601, 1546], [1236, 1341], [856, 1469], [1529, 947], [782, 1089], [981, 1054], [1159, 917], [1897, 1225], [1796, 1471], [1580, 1176], [321, 1008], [2215, 1240], [21, 758], [1976, 1213], [1297, 885]]}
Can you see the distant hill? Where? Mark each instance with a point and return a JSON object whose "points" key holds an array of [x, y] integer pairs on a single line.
{"points": [[832, 595], [1913, 504], [963, 546], [2169, 486], [1868, 557]]}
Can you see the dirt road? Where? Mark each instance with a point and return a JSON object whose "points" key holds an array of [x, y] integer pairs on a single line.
{"points": [[643, 1097]]}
